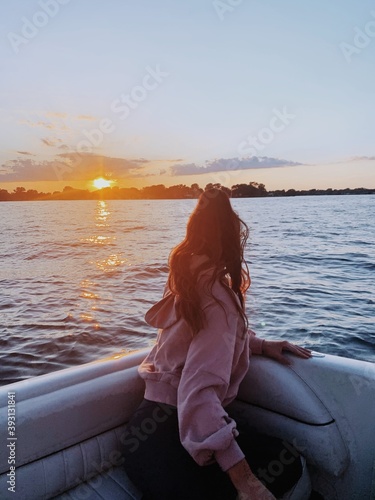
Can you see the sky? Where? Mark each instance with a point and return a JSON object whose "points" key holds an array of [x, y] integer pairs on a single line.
{"points": [[187, 91]]}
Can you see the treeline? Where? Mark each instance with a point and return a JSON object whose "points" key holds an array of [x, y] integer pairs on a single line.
{"points": [[161, 192], [321, 192]]}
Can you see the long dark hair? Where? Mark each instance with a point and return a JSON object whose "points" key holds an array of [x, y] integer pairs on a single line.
{"points": [[215, 231]]}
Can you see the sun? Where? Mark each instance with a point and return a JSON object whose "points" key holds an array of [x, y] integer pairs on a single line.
{"points": [[101, 183]]}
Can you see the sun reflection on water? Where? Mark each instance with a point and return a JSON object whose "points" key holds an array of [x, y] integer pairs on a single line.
{"points": [[95, 298], [99, 240], [89, 295], [102, 214], [111, 263], [92, 290], [86, 317]]}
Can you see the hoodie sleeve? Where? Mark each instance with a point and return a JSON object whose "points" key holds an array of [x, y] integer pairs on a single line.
{"points": [[206, 430]]}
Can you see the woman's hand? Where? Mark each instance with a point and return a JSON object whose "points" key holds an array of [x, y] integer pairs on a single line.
{"points": [[254, 490], [274, 349], [247, 484]]}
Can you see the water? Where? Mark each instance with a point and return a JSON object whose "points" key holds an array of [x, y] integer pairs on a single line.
{"points": [[76, 278]]}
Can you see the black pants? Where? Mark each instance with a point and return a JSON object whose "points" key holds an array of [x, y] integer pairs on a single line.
{"points": [[162, 469]]}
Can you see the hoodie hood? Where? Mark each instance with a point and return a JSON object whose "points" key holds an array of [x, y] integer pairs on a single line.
{"points": [[163, 313]]}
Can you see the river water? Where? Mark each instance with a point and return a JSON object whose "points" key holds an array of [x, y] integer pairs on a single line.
{"points": [[77, 277]]}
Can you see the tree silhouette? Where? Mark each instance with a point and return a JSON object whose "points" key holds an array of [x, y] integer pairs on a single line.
{"points": [[160, 191]]}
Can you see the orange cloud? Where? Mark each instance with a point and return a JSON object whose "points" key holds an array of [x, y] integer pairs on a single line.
{"points": [[70, 167], [86, 117], [56, 114]]}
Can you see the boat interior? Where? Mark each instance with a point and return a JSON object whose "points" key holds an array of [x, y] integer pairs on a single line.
{"points": [[70, 426]]}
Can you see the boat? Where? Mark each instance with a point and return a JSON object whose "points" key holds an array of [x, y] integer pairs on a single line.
{"points": [[63, 432]]}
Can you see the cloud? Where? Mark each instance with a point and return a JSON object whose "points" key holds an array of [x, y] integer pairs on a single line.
{"points": [[224, 164], [50, 142], [44, 124], [362, 158], [68, 167], [86, 117], [140, 160], [85, 166], [25, 153], [25, 169], [55, 142], [31, 124], [57, 114]]}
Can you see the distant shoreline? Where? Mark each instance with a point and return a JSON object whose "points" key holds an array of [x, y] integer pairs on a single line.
{"points": [[161, 192]]}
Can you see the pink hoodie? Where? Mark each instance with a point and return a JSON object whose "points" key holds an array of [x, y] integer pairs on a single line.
{"points": [[201, 374]]}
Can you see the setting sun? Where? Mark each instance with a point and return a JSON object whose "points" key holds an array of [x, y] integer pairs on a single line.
{"points": [[101, 183]]}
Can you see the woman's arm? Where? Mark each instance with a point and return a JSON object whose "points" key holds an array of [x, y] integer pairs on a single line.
{"points": [[206, 430], [255, 343], [247, 484], [274, 348]]}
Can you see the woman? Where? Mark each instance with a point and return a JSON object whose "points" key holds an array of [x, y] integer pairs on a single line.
{"points": [[181, 443]]}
